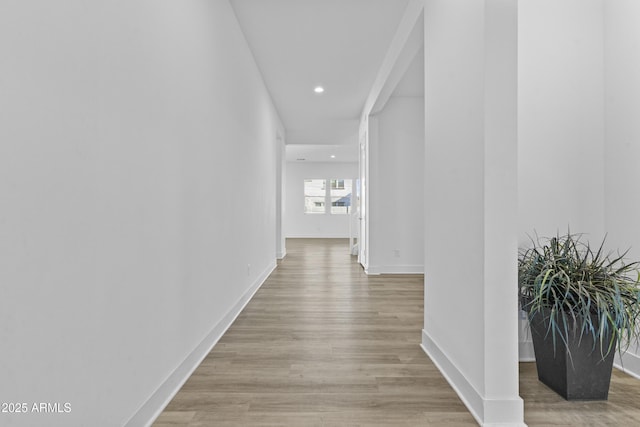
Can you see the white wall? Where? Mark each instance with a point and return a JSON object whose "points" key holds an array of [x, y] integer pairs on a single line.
{"points": [[560, 117], [396, 188], [137, 183], [560, 123], [622, 178], [622, 41], [579, 94], [470, 328], [299, 224]]}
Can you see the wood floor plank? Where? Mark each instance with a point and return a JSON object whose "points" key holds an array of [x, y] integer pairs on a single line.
{"points": [[322, 344], [543, 407]]}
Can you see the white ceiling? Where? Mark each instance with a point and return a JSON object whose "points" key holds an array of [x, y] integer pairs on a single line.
{"points": [[410, 85], [322, 153], [339, 44]]}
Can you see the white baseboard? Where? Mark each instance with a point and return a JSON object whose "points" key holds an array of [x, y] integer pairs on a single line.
{"points": [[487, 412], [395, 269], [318, 236], [369, 272], [630, 364], [281, 255], [156, 403]]}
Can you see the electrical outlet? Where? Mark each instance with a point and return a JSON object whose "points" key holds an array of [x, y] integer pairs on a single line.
{"points": [[248, 269], [396, 252]]}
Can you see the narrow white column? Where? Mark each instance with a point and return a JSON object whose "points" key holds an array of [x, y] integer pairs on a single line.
{"points": [[471, 203]]}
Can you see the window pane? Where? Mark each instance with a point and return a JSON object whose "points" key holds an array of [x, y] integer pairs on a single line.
{"points": [[340, 196], [337, 184], [314, 194]]}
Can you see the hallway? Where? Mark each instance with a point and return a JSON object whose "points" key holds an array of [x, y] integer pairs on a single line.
{"points": [[322, 344]]}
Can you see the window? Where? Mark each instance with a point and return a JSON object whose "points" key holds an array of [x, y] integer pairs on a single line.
{"points": [[314, 196], [337, 184], [317, 194], [340, 196]]}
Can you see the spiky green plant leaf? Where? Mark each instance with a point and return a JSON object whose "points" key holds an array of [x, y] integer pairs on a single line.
{"points": [[582, 289]]}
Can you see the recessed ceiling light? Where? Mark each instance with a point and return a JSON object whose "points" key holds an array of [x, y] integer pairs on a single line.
{"points": [[318, 89], [333, 156], [300, 159]]}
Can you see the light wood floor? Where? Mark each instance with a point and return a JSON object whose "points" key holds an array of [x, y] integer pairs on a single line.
{"points": [[322, 344]]}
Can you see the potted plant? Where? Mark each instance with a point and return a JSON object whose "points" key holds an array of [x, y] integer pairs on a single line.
{"points": [[582, 305]]}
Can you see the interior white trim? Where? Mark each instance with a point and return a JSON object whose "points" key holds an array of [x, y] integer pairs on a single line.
{"points": [[156, 403], [395, 269], [467, 393], [323, 236], [405, 29], [413, 45], [281, 255], [629, 364], [487, 412]]}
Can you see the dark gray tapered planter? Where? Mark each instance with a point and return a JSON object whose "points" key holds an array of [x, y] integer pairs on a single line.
{"points": [[575, 373]]}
